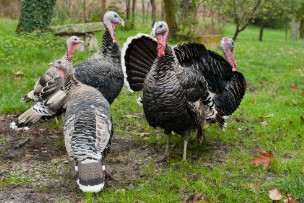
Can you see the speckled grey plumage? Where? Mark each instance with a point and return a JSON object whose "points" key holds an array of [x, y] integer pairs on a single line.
{"points": [[88, 131]]}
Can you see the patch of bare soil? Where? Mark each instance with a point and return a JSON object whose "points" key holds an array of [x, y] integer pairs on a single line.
{"points": [[34, 166]]}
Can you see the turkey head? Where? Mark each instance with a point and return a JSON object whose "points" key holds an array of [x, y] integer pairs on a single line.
{"points": [[227, 46], [160, 31], [111, 20]]}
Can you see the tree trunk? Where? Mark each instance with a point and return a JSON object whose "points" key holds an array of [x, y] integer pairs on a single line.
{"points": [[84, 11], [133, 13], [35, 14], [143, 10], [185, 8], [286, 27], [103, 8], [261, 29], [128, 9], [162, 10], [295, 24], [170, 16], [153, 11], [236, 33], [302, 28], [147, 12]]}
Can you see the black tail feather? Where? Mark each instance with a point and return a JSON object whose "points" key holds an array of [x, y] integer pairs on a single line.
{"points": [[138, 54]]}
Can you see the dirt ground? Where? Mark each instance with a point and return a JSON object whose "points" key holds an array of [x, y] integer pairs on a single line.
{"points": [[34, 166]]}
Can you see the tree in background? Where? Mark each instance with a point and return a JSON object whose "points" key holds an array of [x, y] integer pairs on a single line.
{"points": [[170, 18], [296, 10], [153, 12], [103, 8], [35, 14], [133, 14], [269, 9], [241, 12]]}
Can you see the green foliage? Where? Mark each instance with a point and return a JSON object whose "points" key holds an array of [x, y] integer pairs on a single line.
{"points": [[186, 19], [35, 14]]}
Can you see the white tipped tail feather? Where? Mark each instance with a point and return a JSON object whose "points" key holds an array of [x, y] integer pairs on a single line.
{"points": [[123, 53]]}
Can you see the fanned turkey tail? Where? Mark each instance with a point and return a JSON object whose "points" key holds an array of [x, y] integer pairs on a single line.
{"points": [[91, 175], [138, 55]]}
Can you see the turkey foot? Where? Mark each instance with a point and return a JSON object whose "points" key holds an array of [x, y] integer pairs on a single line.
{"points": [[164, 159]]}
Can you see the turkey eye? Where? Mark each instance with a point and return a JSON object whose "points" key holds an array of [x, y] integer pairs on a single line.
{"points": [[59, 62], [161, 26], [115, 16], [75, 39]]}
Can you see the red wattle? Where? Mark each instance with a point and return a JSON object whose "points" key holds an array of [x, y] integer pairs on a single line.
{"points": [[160, 46], [72, 50]]}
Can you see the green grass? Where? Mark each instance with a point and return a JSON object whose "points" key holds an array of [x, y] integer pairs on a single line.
{"points": [[221, 169]]}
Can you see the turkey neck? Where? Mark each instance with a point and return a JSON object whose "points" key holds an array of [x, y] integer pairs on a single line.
{"points": [[110, 49], [70, 82], [166, 62]]}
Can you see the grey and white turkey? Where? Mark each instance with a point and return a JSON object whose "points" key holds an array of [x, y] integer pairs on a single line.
{"points": [[226, 85], [174, 97], [87, 129], [47, 93], [103, 69], [51, 73]]}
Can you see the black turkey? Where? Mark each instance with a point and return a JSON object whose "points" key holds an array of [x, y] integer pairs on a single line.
{"points": [[226, 85], [174, 98], [87, 129], [103, 69], [47, 93]]}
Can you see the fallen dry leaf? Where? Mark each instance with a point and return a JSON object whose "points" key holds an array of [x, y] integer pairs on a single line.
{"points": [[294, 87], [19, 73], [130, 116], [275, 194], [80, 201], [264, 123], [17, 78], [142, 134], [267, 116], [266, 158], [255, 187], [290, 199], [28, 156], [35, 133], [195, 197]]}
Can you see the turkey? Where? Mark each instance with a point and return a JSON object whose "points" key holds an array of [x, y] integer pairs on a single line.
{"points": [[103, 69], [226, 86], [51, 73], [174, 97], [87, 130], [47, 93]]}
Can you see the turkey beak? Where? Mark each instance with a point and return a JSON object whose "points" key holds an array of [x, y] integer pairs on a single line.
{"points": [[81, 41], [121, 22], [51, 64], [153, 31]]}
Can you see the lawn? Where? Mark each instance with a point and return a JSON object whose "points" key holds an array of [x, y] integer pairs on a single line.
{"points": [[271, 118]]}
